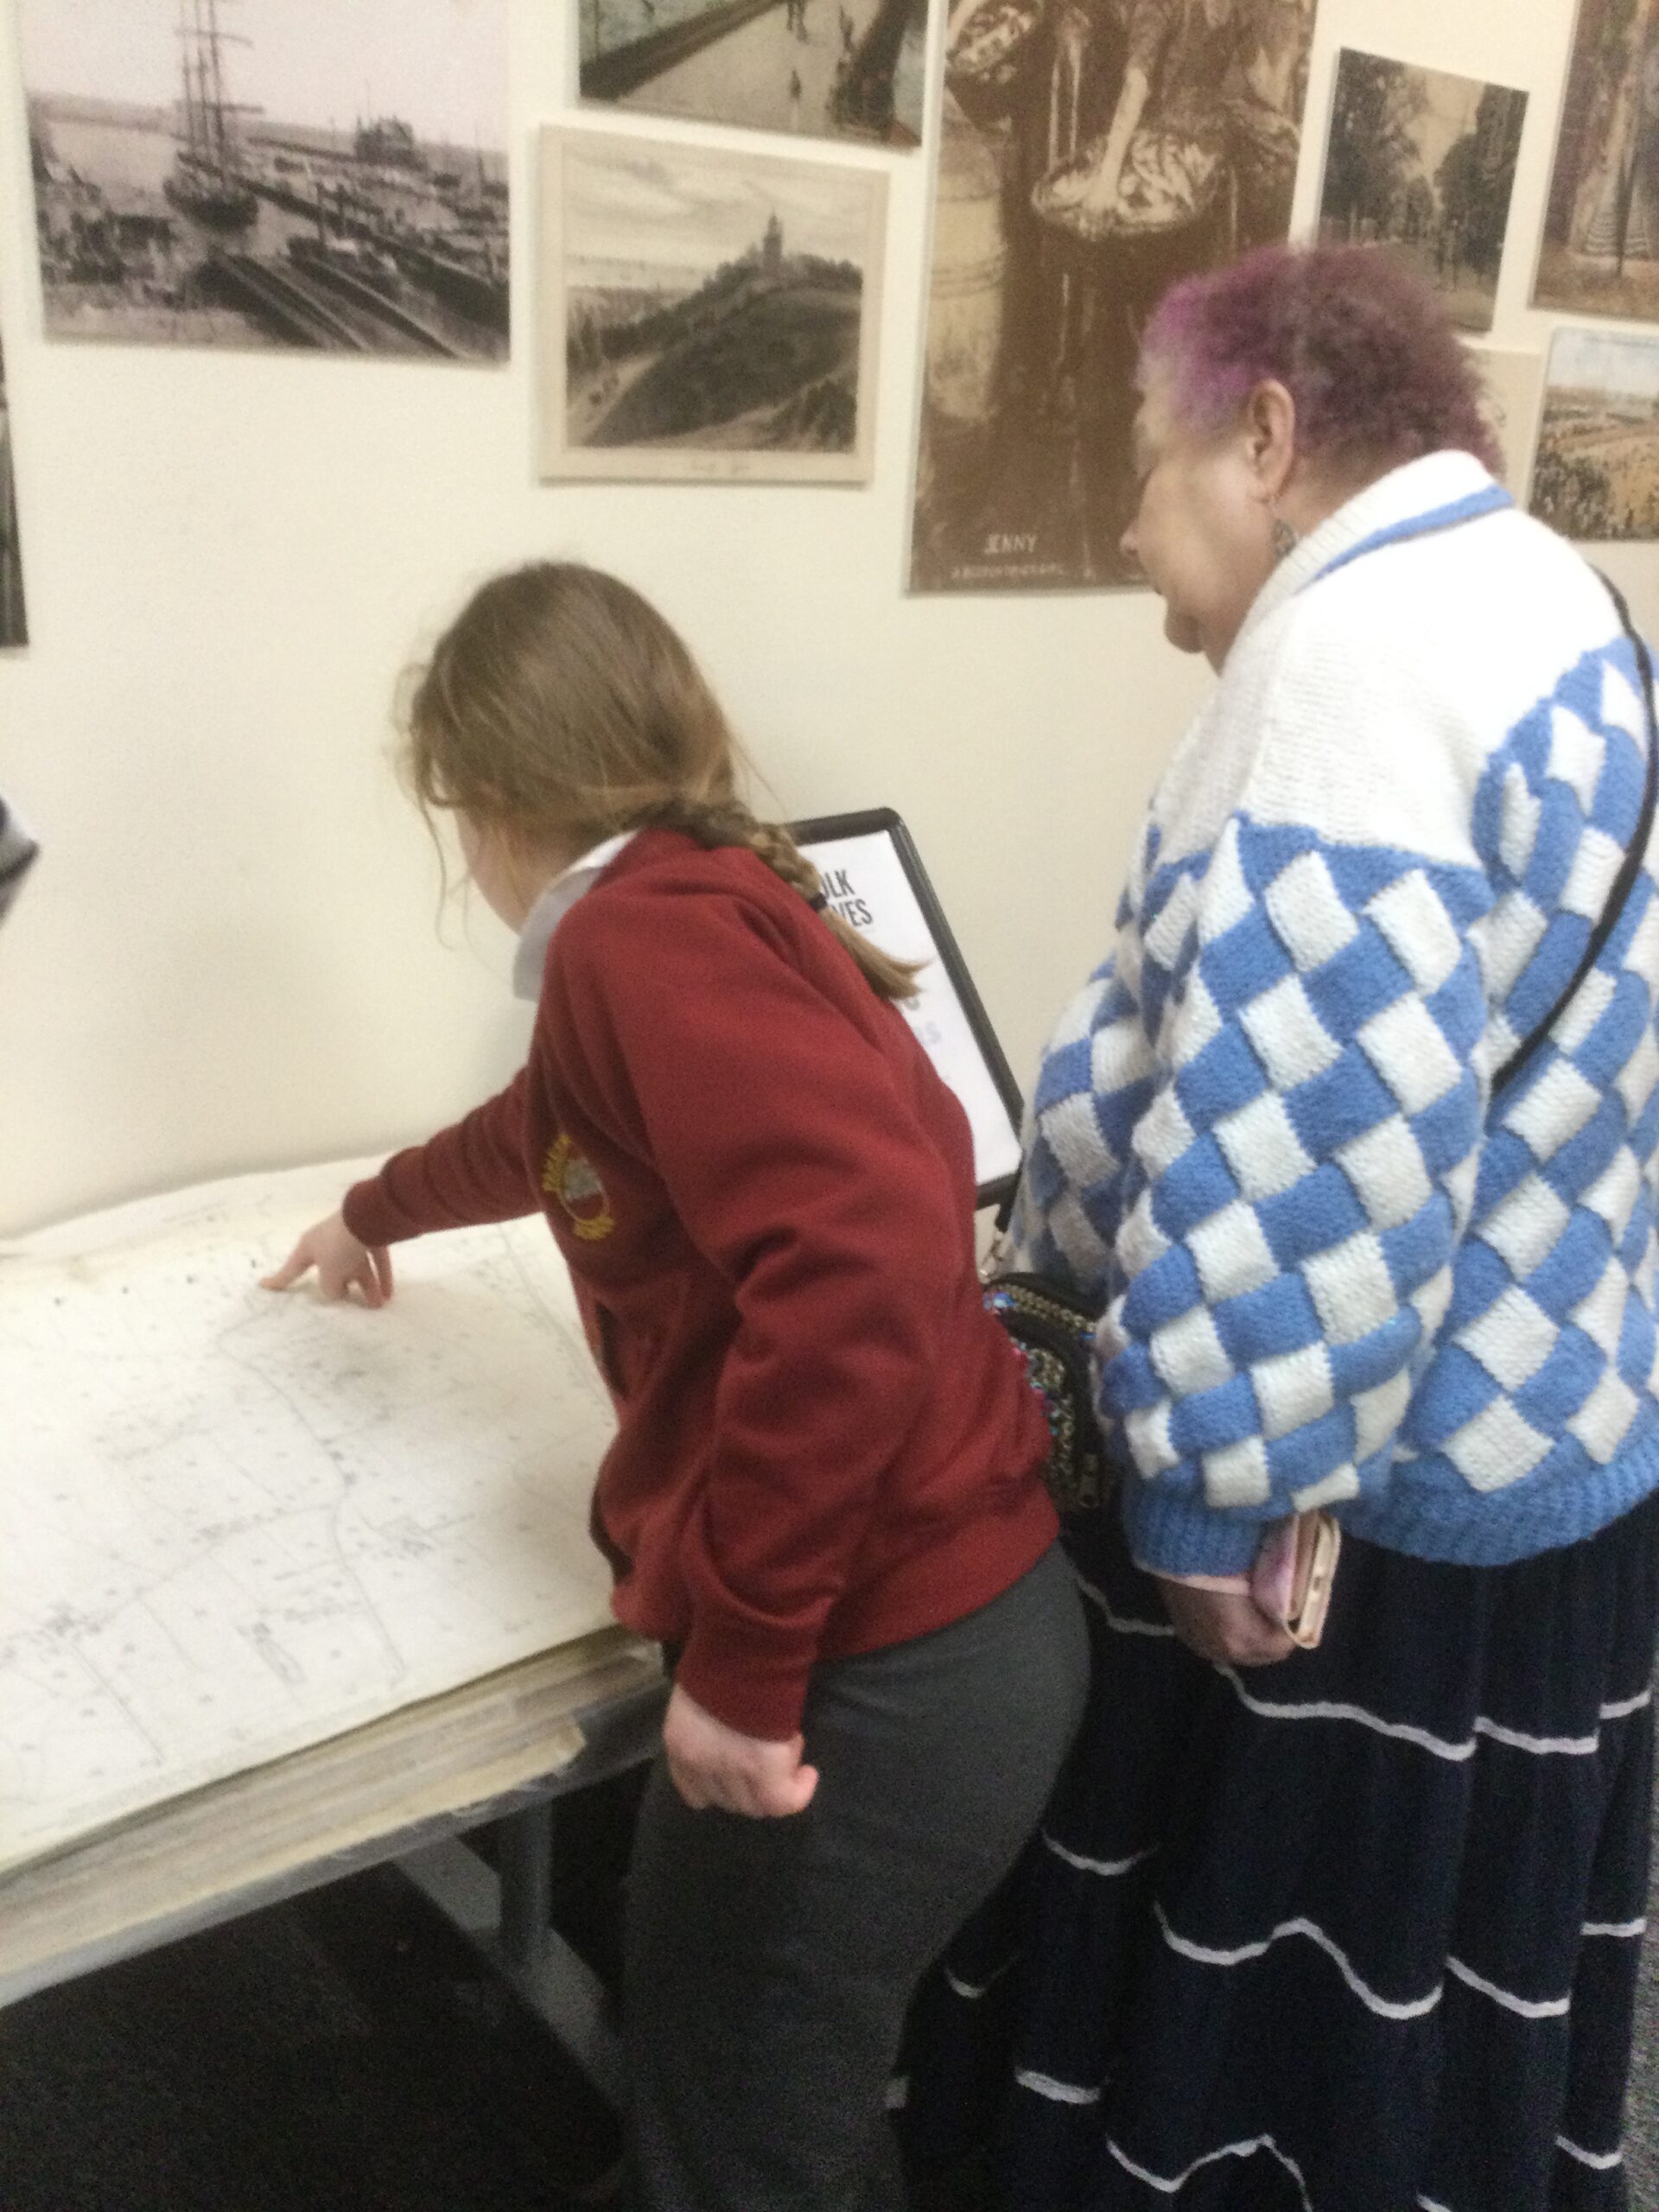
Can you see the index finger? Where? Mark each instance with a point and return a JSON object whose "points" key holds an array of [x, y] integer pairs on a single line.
{"points": [[297, 1263]]}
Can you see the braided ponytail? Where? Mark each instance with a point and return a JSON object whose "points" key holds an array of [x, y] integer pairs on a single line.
{"points": [[560, 707], [728, 822]]}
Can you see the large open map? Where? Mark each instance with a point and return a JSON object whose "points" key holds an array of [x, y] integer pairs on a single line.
{"points": [[233, 1524]]}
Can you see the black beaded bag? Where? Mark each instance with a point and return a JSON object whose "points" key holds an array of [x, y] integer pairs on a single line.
{"points": [[1053, 1329]]}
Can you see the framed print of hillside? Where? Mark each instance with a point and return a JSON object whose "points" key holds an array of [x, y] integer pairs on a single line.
{"points": [[707, 314]]}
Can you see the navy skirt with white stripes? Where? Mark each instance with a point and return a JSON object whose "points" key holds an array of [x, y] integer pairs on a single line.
{"points": [[1356, 1933]]}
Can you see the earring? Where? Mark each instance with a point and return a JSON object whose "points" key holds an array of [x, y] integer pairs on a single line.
{"points": [[1285, 539]]}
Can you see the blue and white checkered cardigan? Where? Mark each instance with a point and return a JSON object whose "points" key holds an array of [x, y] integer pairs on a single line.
{"points": [[1261, 1135]]}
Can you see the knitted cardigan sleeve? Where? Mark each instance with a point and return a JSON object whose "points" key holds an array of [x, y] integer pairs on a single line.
{"points": [[1300, 1161]]}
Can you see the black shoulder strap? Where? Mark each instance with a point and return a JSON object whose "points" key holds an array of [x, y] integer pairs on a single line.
{"points": [[1624, 881]]}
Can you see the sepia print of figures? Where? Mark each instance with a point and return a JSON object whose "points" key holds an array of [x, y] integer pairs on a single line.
{"points": [[1601, 230], [1597, 473], [1512, 389], [1423, 164], [13, 626], [1091, 152]]}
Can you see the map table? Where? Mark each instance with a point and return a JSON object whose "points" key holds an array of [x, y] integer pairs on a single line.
{"points": [[285, 1587]]}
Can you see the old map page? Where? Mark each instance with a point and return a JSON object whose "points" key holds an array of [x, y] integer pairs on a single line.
{"points": [[234, 1523]]}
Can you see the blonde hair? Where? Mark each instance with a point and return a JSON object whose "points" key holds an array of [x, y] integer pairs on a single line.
{"points": [[560, 707]]}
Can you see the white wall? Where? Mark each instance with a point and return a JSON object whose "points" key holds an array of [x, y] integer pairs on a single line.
{"points": [[229, 957]]}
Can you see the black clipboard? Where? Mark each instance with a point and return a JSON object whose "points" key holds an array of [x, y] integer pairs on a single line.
{"points": [[874, 878]]}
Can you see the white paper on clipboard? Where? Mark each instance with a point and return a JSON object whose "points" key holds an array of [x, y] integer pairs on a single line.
{"points": [[874, 880]]}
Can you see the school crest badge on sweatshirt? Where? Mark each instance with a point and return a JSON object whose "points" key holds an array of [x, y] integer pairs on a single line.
{"points": [[574, 1181]]}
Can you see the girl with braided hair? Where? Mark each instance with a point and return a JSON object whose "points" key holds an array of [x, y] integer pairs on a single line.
{"points": [[824, 1497]]}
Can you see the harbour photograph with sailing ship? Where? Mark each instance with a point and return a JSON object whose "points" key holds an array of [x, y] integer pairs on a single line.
{"points": [[272, 172]]}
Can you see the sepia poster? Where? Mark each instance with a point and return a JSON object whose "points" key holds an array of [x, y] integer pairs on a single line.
{"points": [[1423, 164], [14, 625], [830, 68], [1088, 157], [707, 313], [275, 173], [1596, 472], [1600, 252]]}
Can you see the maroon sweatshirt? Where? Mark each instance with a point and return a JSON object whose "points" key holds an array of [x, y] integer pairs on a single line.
{"points": [[765, 1196]]}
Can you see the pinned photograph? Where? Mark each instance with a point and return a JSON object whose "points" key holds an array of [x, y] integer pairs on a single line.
{"points": [[1600, 253], [1089, 158], [828, 68], [1512, 389], [273, 173], [1423, 163], [1597, 473], [707, 313], [14, 624]]}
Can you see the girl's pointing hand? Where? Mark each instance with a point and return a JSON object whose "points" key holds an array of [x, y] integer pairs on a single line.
{"points": [[343, 1263]]}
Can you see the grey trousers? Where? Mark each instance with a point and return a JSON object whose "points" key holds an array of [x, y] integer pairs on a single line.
{"points": [[769, 1963]]}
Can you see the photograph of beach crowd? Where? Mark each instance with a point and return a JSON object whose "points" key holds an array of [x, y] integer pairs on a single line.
{"points": [[828, 68], [273, 173]]}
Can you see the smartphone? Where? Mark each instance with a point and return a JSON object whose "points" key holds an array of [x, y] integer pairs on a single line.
{"points": [[1293, 1571], [1319, 1541]]}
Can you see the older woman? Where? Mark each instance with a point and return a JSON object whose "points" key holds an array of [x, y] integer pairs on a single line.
{"points": [[1355, 1930]]}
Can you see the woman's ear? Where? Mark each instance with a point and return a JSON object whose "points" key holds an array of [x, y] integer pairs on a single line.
{"points": [[1270, 426]]}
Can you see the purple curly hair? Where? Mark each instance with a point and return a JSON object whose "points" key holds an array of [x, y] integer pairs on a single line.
{"points": [[1364, 349]]}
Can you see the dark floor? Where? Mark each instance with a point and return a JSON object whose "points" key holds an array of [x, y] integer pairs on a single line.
{"points": [[342, 2054]]}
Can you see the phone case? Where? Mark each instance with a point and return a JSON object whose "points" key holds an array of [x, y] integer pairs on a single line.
{"points": [[1318, 1545]]}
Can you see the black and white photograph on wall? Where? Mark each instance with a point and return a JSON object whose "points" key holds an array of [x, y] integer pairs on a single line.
{"points": [[826, 68], [1423, 163], [272, 172], [1600, 253], [1088, 156], [707, 313], [13, 622], [1596, 476], [872, 876]]}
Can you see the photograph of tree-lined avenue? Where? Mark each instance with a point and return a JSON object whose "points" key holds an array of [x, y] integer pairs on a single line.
{"points": [[1423, 163]]}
